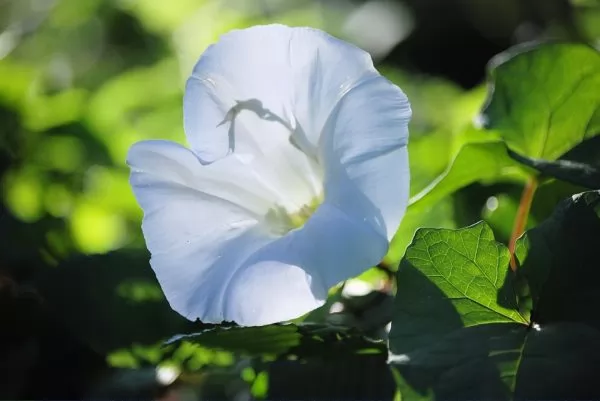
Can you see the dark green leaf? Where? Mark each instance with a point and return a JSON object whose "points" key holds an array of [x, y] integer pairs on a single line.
{"points": [[302, 339], [273, 339], [474, 162], [580, 166], [544, 99], [502, 361], [437, 349], [559, 261]]}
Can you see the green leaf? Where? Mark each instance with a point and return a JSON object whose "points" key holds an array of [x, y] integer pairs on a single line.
{"points": [[580, 166], [429, 156], [441, 349], [273, 339], [440, 214], [544, 99], [558, 260], [301, 339], [478, 161], [502, 361], [450, 272]]}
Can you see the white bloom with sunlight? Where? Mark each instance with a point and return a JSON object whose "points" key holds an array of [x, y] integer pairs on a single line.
{"points": [[297, 177]]}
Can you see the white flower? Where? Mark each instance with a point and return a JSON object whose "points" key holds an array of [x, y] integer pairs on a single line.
{"points": [[281, 121]]}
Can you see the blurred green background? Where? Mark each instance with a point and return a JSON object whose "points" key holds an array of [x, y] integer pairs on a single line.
{"points": [[81, 80]]}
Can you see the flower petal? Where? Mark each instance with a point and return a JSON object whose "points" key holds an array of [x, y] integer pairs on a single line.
{"points": [[324, 69], [259, 89], [292, 275], [160, 164], [203, 241], [363, 149], [193, 233], [249, 66], [297, 74], [238, 100]]}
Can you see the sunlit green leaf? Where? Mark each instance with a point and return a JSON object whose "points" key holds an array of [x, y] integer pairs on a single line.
{"points": [[479, 161], [14, 91], [461, 269], [438, 215], [429, 157], [203, 27], [134, 100], [433, 99], [544, 99], [96, 229], [44, 112], [23, 193], [260, 387]]}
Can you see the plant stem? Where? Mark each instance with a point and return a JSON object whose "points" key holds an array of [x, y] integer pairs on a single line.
{"points": [[521, 218], [391, 276]]}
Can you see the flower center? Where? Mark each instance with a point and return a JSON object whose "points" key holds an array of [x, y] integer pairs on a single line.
{"points": [[280, 221]]}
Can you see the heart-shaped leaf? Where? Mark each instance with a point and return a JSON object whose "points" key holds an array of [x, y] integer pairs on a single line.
{"points": [[545, 99], [533, 335]]}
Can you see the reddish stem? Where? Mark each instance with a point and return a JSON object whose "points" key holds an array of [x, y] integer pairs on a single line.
{"points": [[521, 218]]}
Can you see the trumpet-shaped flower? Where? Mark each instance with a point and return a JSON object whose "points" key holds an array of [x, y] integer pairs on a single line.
{"points": [[297, 177]]}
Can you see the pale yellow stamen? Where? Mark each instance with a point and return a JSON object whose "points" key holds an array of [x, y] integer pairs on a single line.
{"points": [[280, 221]]}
